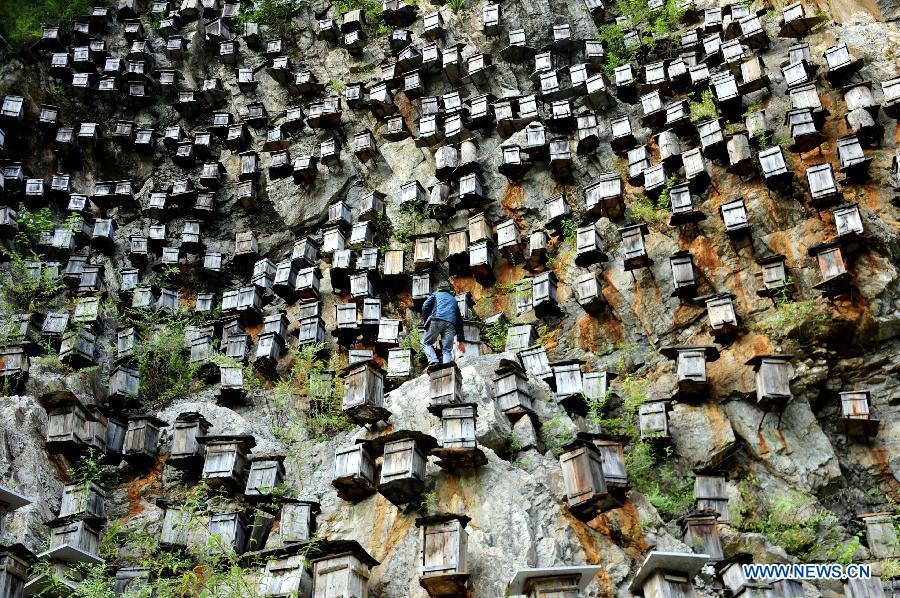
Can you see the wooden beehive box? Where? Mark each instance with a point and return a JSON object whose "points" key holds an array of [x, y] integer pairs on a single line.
{"points": [[342, 571], [832, 266], [405, 453], [853, 161], [226, 459], [633, 248], [589, 292], [311, 331], [75, 541], [266, 475], [399, 363], [227, 533], [511, 389], [124, 384], [185, 451], [370, 312], [458, 446], [690, 365], [589, 246], [638, 163], [424, 252], [445, 386], [142, 439], [654, 422], [773, 376], [775, 171], [543, 293], [734, 216], [76, 348], [363, 400], [841, 64], [701, 532], [612, 456], [15, 564], [298, 523], [582, 470], [774, 276], [534, 360], [881, 534], [720, 312], [856, 415], [710, 495], [683, 278], [520, 337], [83, 501], [443, 568], [131, 580], [354, 473], [596, 385]]}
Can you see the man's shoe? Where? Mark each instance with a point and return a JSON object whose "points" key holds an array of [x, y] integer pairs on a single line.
{"points": [[433, 367]]}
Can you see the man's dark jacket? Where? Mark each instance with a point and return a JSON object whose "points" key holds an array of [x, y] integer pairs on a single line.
{"points": [[441, 305]]}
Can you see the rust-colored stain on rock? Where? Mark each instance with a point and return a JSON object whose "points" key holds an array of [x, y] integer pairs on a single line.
{"points": [[512, 201], [588, 333], [137, 489]]}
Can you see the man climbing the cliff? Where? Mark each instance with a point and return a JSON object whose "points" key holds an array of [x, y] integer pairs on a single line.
{"points": [[442, 321]]}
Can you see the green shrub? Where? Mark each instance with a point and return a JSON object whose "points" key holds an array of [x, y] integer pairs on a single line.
{"points": [[322, 415], [24, 292], [791, 520], [206, 569], [646, 211], [803, 320], [20, 20], [665, 198], [32, 225], [277, 15], [372, 9], [570, 231], [89, 469], [494, 335], [669, 491], [705, 109], [555, 434], [413, 338], [633, 392], [161, 358], [657, 24], [456, 5]]}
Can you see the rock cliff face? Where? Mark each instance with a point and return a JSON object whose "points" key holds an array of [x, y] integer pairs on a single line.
{"points": [[796, 479]]}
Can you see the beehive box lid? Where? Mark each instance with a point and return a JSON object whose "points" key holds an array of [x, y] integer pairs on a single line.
{"points": [[679, 562], [10, 501], [586, 573], [247, 440], [423, 440], [442, 518], [671, 351], [757, 359], [328, 548]]}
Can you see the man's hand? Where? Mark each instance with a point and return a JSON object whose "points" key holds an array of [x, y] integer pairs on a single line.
{"points": [[461, 347]]}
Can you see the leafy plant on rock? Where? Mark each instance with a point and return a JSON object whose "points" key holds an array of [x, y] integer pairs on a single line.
{"points": [[310, 408], [555, 434], [804, 320], [705, 109], [277, 15], [162, 360], [653, 25], [494, 335], [372, 10]]}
